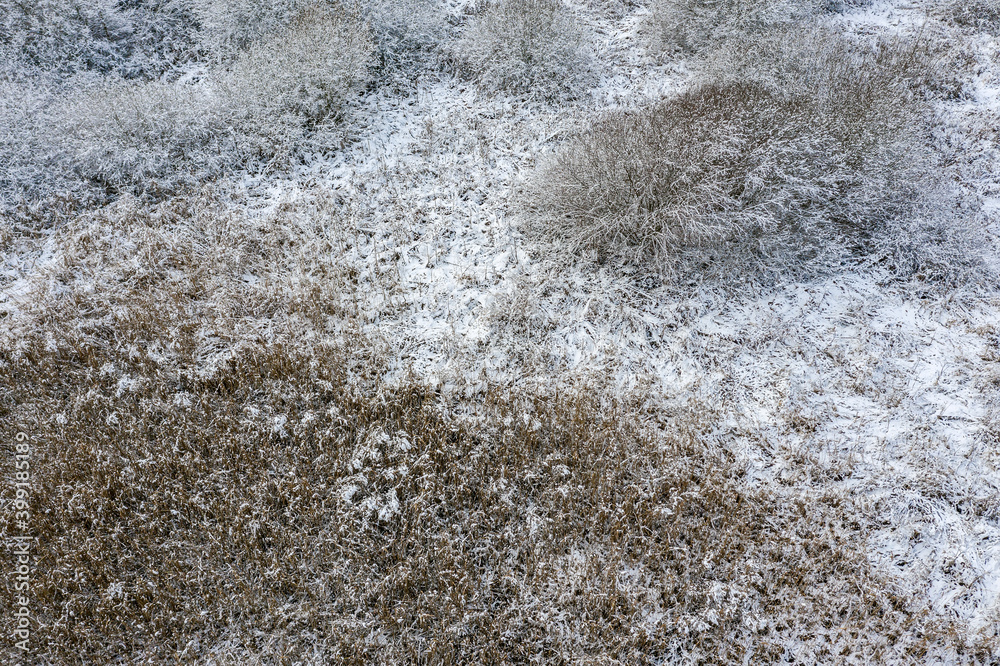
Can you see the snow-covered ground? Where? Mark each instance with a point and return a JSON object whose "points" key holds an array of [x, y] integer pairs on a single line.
{"points": [[853, 382]]}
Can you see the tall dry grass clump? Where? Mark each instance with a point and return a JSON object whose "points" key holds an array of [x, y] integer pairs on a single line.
{"points": [[307, 70], [532, 47], [694, 25], [981, 15], [782, 135]]}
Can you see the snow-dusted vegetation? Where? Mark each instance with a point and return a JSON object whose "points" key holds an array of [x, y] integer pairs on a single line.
{"points": [[501, 331], [527, 46], [788, 134], [976, 14], [694, 25], [270, 75]]}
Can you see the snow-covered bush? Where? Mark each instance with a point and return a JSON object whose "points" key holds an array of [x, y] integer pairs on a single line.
{"points": [[403, 31], [817, 136], [979, 14], [153, 135], [406, 32], [615, 9], [64, 35], [89, 136], [25, 154], [166, 35], [302, 73], [692, 25], [139, 135], [821, 61], [527, 46], [846, 5], [139, 39], [228, 27]]}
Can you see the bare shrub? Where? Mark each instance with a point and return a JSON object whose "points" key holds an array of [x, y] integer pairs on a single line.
{"points": [[527, 46], [814, 135], [308, 69], [155, 136], [407, 33], [981, 15], [693, 25]]}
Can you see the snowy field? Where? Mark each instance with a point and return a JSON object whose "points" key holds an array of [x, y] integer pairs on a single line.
{"points": [[409, 234]]}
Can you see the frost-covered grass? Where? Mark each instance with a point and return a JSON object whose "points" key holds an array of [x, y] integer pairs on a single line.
{"points": [[693, 25], [350, 411], [535, 47], [219, 475], [288, 506], [979, 14]]}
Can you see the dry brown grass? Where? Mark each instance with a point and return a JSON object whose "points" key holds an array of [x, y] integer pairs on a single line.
{"points": [[283, 508], [208, 488]]}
